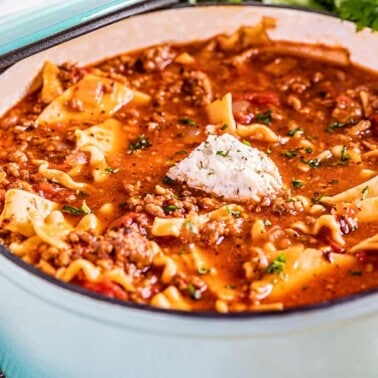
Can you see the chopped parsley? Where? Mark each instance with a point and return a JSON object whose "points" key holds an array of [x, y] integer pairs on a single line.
{"points": [[203, 270], [292, 153], [277, 265], [140, 144], [77, 211], [182, 152], [167, 180], [194, 293], [189, 225], [265, 117], [111, 170], [355, 273], [246, 143], [230, 286], [335, 125], [169, 209], [267, 223], [365, 192], [313, 163], [294, 131], [223, 153], [308, 150], [234, 213], [224, 127], [187, 121], [317, 197], [297, 183], [343, 156], [292, 199]]}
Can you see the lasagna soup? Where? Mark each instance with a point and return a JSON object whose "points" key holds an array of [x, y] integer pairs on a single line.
{"points": [[232, 174]]}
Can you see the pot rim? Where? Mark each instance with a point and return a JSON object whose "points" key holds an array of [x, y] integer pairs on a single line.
{"points": [[271, 314]]}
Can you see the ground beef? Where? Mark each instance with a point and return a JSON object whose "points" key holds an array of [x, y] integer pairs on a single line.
{"points": [[197, 88], [154, 59], [124, 247], [215, 231]]}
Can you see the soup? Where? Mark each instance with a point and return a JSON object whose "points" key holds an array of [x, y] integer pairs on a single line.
{"points": [[232, 174]]}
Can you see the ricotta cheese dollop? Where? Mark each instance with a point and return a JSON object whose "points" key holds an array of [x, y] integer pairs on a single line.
{"points": [[226, 167]]}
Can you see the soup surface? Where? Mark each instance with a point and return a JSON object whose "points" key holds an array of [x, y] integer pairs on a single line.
{"points": [[232, 174]]}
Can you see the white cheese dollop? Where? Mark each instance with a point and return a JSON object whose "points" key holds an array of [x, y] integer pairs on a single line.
{"points": [[224, 166]]}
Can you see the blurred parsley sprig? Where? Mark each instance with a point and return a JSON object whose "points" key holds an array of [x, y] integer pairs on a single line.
{"points": [[364, 13]]}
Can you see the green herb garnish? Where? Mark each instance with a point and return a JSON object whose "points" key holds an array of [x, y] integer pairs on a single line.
{"points": [[292, 153], [169, 209], [317, 198], [246, 143], [294, 131], [203, 270], [234, 213], [111, 170], [355, 273], [297, 183], [194, 293], [335, 125], [167, 180], [223, 153], [277, 265], [187, 121], [365, 192], [140, 144], [313, 163], [77, 211], [182, 152], [343, 156], [267, 223], [265, 117]]}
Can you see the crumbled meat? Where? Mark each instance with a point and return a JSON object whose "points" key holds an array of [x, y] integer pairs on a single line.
{"points": [[197, 87], [124, 247], [154, 59], [213, 232], [285, 204]]}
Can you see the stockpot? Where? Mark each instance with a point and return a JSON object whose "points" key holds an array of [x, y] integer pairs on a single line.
{"points": [[50, 329]]}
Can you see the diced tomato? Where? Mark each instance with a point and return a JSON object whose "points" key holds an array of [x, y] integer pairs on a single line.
{"points": [[343, 101], [361, 256], [46, 190], [336, 247], [244, 119], [127, 220], [50, 191], [263, 98], [108, 288]]}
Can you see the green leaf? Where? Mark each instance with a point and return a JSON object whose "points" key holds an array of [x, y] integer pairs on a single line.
{"points": [[277, 265], [140, 144], [265, 117], [169, 209], [297, 183], [187, 121], [77, 211], [111, 170], [363, 12]]}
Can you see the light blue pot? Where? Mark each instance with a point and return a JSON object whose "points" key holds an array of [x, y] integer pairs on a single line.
{"points": [[54, 330]]}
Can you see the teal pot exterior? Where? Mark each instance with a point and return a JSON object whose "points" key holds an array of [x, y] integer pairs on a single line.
{"points": [[47, 331], [54, 330]]}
